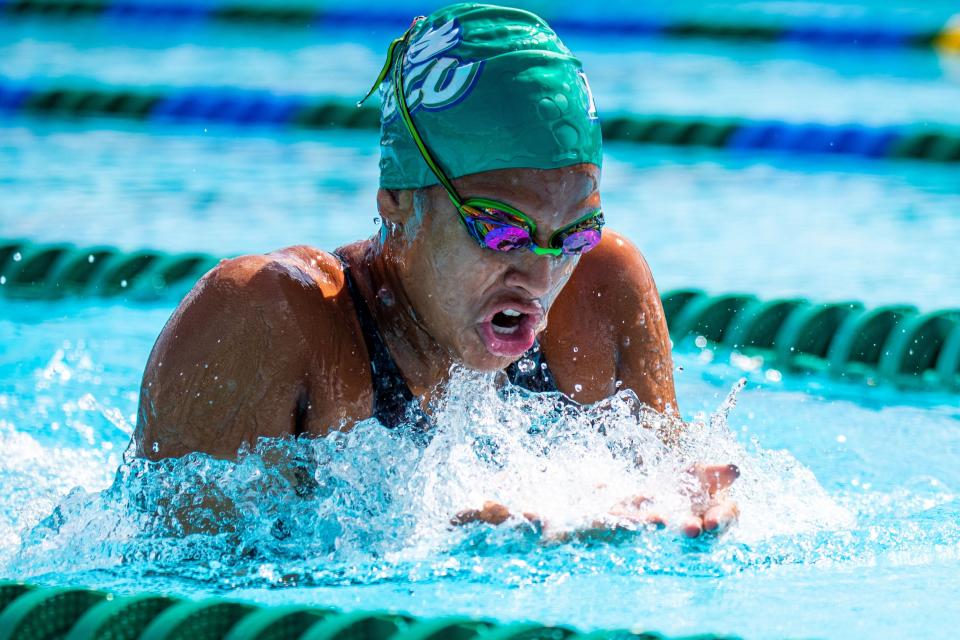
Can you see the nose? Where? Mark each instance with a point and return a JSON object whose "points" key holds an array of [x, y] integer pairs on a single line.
{"points": [[536, 275]]}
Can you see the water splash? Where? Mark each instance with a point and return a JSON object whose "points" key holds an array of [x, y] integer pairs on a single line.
{"points": [[376, 504]]}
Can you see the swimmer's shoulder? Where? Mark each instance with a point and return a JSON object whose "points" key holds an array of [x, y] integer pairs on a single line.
{"points": [[296, 278], [610, 310], [250, 352], [302, 293], [291, 271], [616, 263]]}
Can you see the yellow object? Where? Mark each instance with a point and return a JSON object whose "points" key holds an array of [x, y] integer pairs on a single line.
{"points": [[949, 39]]}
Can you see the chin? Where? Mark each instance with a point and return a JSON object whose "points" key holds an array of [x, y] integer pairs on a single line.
{"points": [[484, 361]]}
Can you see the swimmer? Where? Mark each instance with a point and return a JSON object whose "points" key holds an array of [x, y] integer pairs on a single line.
{"points": [[492, 250]]}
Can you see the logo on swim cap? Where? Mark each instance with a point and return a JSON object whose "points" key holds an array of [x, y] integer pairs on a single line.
{"points": [[433, 81]]}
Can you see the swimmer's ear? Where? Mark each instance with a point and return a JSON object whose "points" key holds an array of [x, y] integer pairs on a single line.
{"points": [[395, 205]]}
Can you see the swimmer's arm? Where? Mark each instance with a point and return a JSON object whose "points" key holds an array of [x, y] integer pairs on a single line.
{"points": [[225, 369]]}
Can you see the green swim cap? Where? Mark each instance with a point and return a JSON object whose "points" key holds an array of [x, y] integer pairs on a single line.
{"points": [[488, 88]]}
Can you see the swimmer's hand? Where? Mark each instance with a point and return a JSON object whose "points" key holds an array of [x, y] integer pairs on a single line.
{"points": [[491, 513], [711, 511]]}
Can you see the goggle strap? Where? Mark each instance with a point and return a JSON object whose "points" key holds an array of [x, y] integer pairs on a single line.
{"points": [[391, 53], [412, 128]]}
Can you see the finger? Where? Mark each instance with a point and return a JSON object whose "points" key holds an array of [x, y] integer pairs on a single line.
{"points": [[491, 513], [465, 517], [692, 527], [630, 505], [720, 516], [535, 520], [494, 513], [654, 520], [715, 477], [636, 501]]}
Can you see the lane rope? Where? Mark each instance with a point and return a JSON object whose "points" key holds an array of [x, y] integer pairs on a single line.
{"points": [[822, 32], [264, 109], [895, 344], [82, 614]]}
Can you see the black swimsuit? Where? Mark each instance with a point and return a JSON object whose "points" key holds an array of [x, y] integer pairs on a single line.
{"points": [[393, 402]]}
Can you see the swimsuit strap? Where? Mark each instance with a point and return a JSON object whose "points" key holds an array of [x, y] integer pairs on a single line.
{"points": [[393, 402]]}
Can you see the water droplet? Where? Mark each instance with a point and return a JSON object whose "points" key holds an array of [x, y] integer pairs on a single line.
{"points": [[376, 220], [626, 341], [543, 365], [526, 365], [385, 296], [701, 342], [578, 387], [123, 284], [3, 279], [156, 447], [576, 349], [619, 383], [91, 258], [17, 257]]}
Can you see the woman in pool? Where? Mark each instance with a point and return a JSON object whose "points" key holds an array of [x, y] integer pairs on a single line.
{"points": [[492, 225]]}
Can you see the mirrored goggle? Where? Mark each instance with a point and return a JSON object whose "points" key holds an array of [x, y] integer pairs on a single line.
{"points": [[503, 230]]}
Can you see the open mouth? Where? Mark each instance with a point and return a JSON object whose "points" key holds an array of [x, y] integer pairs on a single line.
{"points": [[510, 329], [507, 322]]}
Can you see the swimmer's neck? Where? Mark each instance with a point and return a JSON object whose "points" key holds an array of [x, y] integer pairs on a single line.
{"points": [[378, 274]]}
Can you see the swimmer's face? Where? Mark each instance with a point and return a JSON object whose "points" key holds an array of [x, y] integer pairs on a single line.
{"points": [[485, 307]]}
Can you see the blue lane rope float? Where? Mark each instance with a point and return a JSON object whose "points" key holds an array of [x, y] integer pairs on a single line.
{"points": [[894, 343], [49, 613], [264, 109], [825, 32]]}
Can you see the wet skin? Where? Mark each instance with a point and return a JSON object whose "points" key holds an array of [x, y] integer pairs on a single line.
{"points": [[270, 345]]}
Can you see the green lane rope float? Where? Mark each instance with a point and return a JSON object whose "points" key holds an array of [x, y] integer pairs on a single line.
{"points": [[119, 618], [51, 613], [893, 344], [264, 109], [811, 32], [48, 271], [45, 613]]}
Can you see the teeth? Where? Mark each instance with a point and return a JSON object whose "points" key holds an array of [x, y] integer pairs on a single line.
{"points": [[511, 312], [504, 330]]}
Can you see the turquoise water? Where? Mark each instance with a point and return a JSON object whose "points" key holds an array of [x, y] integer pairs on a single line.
{"points": [[849, 494], [829, 229], [779, 81]]}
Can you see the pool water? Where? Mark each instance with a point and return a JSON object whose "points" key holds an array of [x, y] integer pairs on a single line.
{"points": [[830, 229], [845, 496], [848, 494], [780, 81]]}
